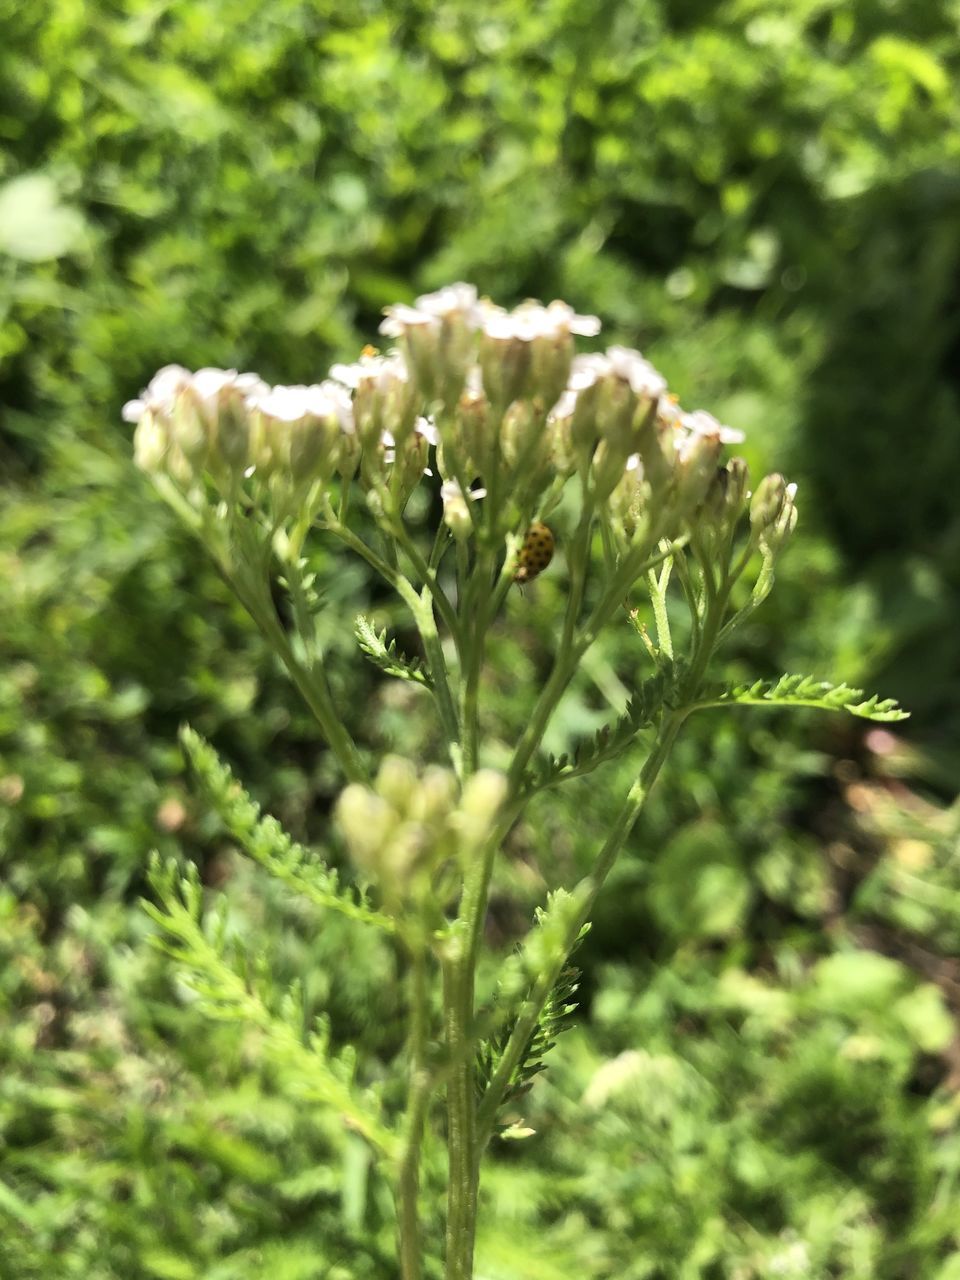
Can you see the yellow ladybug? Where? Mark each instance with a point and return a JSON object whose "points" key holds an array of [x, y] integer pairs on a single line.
{"points": [[535, 554]]}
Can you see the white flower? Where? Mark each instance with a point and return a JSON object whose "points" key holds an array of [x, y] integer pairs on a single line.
{"points": [[427, 428], [159, 394], [379, 370], [622, 363], [292, 404], [563, 318], [450, 491], [701, 423], [633, 368], [449, 300], [207, 386], [564, 408], [532, 320], [400, 317]]}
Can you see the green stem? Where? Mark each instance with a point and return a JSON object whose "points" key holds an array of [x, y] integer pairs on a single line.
{"points": [[418, 1101], [315, 691], [461, 1107], [566, 661], [658, 598], [429, 579], [422, 609], [421, 606]]}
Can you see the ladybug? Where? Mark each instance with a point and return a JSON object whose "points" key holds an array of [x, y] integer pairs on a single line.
{"points": [[535, 554]]}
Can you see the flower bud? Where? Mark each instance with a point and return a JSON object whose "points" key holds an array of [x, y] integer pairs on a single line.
{"points": [[456, 513], [348, 455], [151, 442], [474, 440], [435, 798], [483, 794], [630, 499], [767, 502], [776, 534], [522, 429], [396, 782], [697, 459], [723, 504], [296, 431], [368, 823], [384, 396], [190, 427], [607, 469], [437, 338], [504, 361]]}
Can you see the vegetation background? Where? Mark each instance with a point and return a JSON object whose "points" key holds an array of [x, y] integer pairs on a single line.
{"points": [[764, 195]]}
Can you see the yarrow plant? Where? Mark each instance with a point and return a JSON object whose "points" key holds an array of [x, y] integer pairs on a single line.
{"points": [[495, 413]]}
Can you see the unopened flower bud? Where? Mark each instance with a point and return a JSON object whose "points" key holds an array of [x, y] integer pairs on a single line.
{"points": [[368, 823], [776, 534], [723, 504], [483, 794], [348, 455], [456, 514], [150, 443], [473, 438], [190, 427], [396, 782], [437, 337], [607, 468], [435, 798], [522, 429], [767, 502], [630, 499], [504, 361], [696, 467], [384, 396]]}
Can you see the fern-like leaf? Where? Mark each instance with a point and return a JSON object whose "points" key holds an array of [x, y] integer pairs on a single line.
{"points": [[233, 985], [386, 656], [552, 1022], [264, 840], [642, 711], [802, 691], [515, 992]]}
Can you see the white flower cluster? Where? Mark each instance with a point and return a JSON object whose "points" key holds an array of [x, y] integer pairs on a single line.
{"points": [[502, 397], [232, 424]]}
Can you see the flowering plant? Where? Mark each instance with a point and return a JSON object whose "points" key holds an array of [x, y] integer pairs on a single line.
{"points": [[494, 414]]}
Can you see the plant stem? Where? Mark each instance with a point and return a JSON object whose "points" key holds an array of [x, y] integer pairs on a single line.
{"points": [[461, 1109], [418, 1099], [310, 680]]}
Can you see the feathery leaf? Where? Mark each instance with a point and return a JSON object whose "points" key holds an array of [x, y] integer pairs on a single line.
{"points": [[264, 840], [231, 985], [386, 656], [801, 691]]}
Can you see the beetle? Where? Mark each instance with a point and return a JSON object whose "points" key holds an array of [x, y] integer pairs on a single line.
{"points": [[535, 553]]}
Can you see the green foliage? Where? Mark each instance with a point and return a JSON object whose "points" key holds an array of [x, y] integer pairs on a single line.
{"points": [[264, 840], [517, 980], [386, 656], [224, 978], [805, 691], [721, 1118], [553, 1019], [608, 742]]}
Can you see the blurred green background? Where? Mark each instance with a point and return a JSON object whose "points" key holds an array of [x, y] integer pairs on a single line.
{"points": [[764, 195]]}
